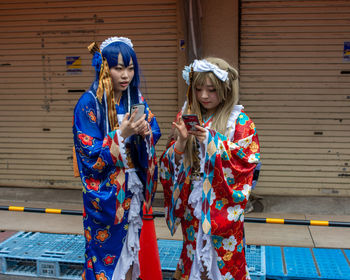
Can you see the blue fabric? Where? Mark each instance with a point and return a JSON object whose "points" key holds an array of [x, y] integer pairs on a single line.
{"points": [[104, 238]]}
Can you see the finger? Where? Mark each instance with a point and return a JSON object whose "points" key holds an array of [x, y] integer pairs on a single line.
{"points": [[126, 117], [132, 117], [143, 128], [181, 121], [200, 128], [176, 125], [147, 133], [197, 133]]}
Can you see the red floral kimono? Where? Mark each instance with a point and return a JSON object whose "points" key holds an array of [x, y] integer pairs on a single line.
{"points": [[211, 208]]}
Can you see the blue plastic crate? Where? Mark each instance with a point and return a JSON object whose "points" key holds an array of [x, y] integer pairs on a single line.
{"points": [[300, 263], [274, 262], [43, 254], [19, 266], [169, 253], [347, 253], [332, 263], [284, 263], [255, 257]]}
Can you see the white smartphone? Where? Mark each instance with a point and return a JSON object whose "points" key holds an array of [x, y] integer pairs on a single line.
{"points": [[140, 112]]}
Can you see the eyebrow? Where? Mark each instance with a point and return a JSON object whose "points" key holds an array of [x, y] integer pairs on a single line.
{"points": [[122, 64]]}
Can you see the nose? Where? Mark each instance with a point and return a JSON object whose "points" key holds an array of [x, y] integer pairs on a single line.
{"points": [[124, 73], [204, 94]]}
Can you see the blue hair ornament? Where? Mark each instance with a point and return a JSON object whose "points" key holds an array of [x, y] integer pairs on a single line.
{"points": [[97, 61]]}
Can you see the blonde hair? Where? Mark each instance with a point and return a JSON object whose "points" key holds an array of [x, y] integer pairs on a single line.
{"points": [[228, 93]]}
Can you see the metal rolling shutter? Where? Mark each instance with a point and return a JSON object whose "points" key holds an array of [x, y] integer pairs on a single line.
{"points": [[38, 90], [291, 65]]}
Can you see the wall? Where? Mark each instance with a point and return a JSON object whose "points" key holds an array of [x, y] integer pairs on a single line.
{"points": [[220, 29]]}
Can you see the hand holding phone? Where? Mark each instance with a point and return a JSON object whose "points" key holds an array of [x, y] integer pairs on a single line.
{"points": [[140, 111], [190, 122]]}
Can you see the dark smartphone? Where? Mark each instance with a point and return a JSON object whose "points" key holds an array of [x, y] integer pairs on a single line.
{"points": [[190, 122], [140, 112]]}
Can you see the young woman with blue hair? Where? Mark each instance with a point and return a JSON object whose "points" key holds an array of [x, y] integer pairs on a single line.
{"points": [[116, 161]]}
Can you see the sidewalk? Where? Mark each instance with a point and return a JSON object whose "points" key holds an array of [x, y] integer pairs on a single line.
{"points": [[256, 233], [284, 235]]}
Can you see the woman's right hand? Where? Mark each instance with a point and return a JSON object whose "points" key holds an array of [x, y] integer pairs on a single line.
{"points": [[181, 131], [182, 136], [130, 127]]}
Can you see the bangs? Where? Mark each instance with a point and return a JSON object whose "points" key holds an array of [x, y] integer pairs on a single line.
{"points": [[111, 53], [200, 79]]}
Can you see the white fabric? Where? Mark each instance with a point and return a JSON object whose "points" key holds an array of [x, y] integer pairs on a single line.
{"points": [[130, 251], [204, 66], [111, 40], [122, 150], [204, 255], [231, 122]]}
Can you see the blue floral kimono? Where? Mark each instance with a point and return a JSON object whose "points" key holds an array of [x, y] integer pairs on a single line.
{"points": [[117, 175]]}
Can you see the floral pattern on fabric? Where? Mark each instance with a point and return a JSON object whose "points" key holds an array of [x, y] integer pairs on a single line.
{"points": [[228, 175], [105, 181]]}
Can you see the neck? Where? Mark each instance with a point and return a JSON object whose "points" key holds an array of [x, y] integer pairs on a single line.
{"points": [[209, 113], [117, 96]]}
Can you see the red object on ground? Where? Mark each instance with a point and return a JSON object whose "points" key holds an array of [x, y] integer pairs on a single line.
{"points": [[149, 254]]}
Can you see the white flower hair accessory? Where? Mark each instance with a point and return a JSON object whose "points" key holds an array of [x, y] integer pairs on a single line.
{"points": [[111, 40], [203, 66]]}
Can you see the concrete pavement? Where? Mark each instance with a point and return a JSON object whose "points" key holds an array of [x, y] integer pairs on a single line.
{"points": [[333, 209]]}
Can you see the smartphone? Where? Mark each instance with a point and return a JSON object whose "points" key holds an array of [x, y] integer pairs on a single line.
{"points": [[140, 112], [190, 121]]}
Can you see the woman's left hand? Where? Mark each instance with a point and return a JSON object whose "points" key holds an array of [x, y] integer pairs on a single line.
{"points": [[200, 133], [146, 129]]}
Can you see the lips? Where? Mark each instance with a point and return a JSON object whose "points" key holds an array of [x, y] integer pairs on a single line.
{"points": [[124, 84]]}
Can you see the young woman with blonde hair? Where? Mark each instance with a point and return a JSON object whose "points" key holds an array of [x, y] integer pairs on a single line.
{"points": [[207, 174]]}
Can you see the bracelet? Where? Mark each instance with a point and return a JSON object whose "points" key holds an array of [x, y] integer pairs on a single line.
{"points": [[178, 152]]}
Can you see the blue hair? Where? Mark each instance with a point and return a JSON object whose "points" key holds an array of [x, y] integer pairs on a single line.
{"points": [[111, 53]]}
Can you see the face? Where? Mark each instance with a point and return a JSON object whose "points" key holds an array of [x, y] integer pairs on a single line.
{"points": [[121, 75], [207, 96]]}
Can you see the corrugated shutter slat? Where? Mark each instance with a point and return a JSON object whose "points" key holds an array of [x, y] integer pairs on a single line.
{"points": [[291, 58], [38, 93]]}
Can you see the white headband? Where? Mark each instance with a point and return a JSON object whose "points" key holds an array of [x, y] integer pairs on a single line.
{"points": [[204, 66], [111, 40]]}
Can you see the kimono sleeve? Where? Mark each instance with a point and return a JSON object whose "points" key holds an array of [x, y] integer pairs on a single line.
{"points": [[229, 167], [145, 157], [153, 123], [101, 164], [236, 159], [176, 187]]}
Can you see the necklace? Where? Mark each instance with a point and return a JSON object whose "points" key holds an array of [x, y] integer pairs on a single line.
{"points": [[206, 120]]}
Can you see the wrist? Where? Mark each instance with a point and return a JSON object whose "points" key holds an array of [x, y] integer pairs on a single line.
{"points": [[181, 142], [180, 146], [123, 134]]}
